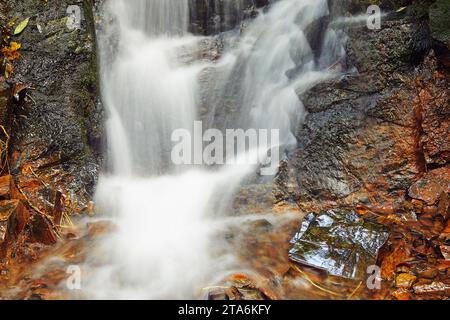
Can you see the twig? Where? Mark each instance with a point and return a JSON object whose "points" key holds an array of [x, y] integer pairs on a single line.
{"points": [[354, 291], [315, 284], [41, 180], [335, 64], [4, 146], [29, 96], [67, 219], [215, 287]]}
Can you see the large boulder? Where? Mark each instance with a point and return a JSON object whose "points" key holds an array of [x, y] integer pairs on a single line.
{"points": [[369, 135], [439, 15], [57, 124]]}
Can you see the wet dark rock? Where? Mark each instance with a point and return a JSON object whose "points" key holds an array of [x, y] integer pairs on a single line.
{"points": [[338, 241], [5, 98], [59, 125], [371, 133], [327, 135], [439, 24], [214, 16]]}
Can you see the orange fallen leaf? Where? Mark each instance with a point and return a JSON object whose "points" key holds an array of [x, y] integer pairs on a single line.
{"points": [[390, 262], [27, 169], [239, 276]]}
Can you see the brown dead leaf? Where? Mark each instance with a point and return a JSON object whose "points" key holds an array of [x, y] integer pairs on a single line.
{"points": [[401, 294], [392, 260]]}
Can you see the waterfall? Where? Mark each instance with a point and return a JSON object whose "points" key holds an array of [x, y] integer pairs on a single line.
{"points": [[274, 62], [147, 94], [157, 17], [164, 246]]}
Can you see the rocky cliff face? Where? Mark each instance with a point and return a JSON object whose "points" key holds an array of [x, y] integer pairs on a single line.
{"points": [[52, 120], [369, 135], [56, 120]]}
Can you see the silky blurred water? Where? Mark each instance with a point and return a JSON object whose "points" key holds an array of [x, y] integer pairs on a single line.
{"points": [[166, 215]]}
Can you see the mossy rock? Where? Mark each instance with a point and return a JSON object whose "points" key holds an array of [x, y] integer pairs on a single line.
{"points": [[440, 21]]}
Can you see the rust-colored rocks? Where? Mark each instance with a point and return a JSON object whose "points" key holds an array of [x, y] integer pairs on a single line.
{"points": [[414, 261], [431, 195], [370, 135], [399, 255], [431, 186], [242, 287], [13, 214], [432, 105]]}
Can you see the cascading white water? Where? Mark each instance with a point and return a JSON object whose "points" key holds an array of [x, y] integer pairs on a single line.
{"points": [[146, 92], [274, 62], [164, 245], [148, 95]]}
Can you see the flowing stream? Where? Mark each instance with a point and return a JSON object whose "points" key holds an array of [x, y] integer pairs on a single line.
{"points": [[165, 245]]}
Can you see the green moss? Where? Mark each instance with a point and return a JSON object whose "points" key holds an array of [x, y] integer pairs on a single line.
{"points": [[419, 10], [439, 14], [58, 23]]}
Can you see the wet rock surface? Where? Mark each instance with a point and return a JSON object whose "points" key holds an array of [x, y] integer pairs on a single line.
{"points": [[339, 242], [431, 186], [211, 17], [372, 133], [57, 122], [438, 14]]}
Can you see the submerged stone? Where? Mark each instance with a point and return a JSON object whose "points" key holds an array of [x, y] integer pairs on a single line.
{"points": [[339, 242]]}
